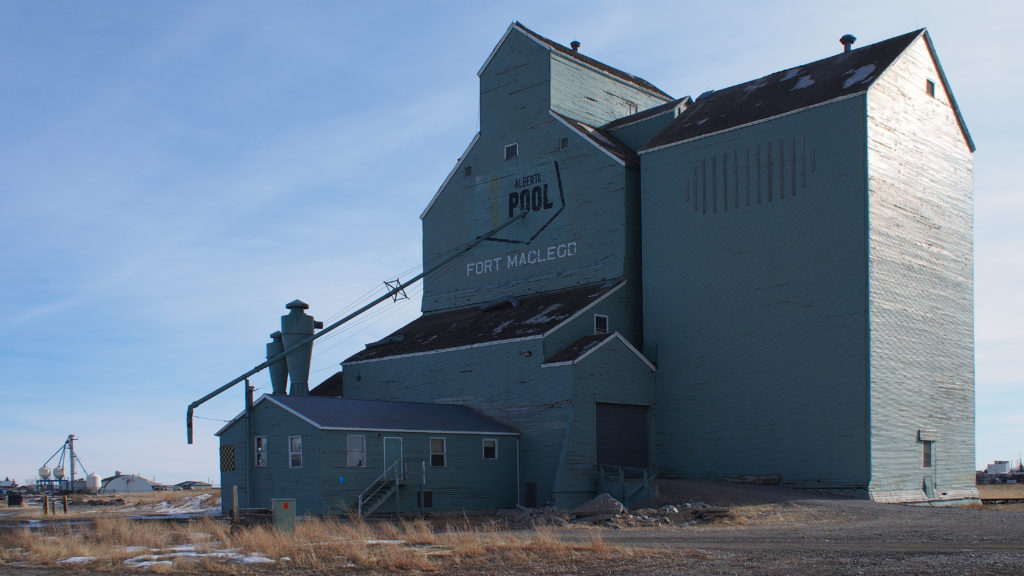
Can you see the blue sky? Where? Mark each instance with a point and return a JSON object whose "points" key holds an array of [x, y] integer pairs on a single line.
{"points": [[173, 173]]}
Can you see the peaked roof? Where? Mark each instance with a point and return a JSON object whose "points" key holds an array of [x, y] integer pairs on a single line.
{"points": [[574, 55], [587, 345], [839, 76], [383, 415], [500, 320], [602, 139]]}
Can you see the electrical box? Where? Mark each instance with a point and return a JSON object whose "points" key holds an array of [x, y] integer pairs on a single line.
{"points": [[283, 510]]}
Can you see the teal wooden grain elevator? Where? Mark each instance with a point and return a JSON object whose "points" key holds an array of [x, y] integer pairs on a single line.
{"points": [[773, 279]]}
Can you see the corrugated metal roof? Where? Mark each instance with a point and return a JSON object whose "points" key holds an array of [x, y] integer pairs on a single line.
{"points": [[844, 74], [530, 316], [351, 414]]}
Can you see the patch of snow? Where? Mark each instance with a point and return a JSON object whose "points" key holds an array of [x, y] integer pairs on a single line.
{"points": [[77, 560], [858, 75], [701, 121], [803, 82], [134, 548], [790, 74], [386, 541], [497, 330], [753, 87], [256, 559], [543, 316]]}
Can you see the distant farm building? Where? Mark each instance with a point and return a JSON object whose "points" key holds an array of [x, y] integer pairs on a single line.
{"points": [[121, 483], [772, 280]]}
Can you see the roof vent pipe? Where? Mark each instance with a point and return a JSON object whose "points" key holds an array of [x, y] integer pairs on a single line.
{"points": [[847, 41], [575, 45]]}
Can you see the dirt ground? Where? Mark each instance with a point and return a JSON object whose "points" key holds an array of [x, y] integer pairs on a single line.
{"points": [[771, 531]]}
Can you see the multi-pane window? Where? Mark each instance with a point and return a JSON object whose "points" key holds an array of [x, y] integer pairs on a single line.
{"points": [[356, 451], [437, 452], [490, 449], [600, 324], [927, 454], [261, 451], [295, 451], [511, 151]]}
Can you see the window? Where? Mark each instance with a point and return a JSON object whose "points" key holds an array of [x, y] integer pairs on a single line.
{"points": [[929, 87], [437, 452], [356, 451], [927, 454], [425, 498], [469, 170], [600, 324], [490, 449], [227, 458], [261, 451], [631, 108], [564, 143], [295, 451], [511, 151]]}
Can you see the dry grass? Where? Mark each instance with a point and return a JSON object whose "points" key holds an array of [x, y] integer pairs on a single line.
{"points": [[1001, 490], [319, 544]]}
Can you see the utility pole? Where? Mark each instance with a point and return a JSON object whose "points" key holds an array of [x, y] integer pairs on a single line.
{"points": [[71, 445]]}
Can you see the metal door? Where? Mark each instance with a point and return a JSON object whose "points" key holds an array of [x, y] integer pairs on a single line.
{"points": [[622, 435]]}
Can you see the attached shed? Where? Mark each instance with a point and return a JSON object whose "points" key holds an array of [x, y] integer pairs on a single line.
{"points": [[331, 454]]}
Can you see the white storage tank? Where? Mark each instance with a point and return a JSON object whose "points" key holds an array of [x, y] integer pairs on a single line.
{"points": [[92, 483], [58, 472], [44, 472]]}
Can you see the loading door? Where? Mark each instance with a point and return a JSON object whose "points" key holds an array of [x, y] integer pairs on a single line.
{"points": [[622, 435]]}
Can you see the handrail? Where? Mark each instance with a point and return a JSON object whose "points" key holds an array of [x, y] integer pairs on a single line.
{"points": [[377, 485], [391, 293]]}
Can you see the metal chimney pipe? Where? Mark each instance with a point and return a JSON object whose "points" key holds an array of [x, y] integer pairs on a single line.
{"points": [[847, 41], [279, 368], [296, 327], [575, 45]]}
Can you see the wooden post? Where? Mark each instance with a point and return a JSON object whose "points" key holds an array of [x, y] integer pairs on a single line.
{"points": [[65, 505], [234, 503], [46, 505]]}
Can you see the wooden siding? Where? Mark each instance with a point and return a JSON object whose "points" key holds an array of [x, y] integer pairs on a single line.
{"points": [[586, 228], [613, 374], [755, 298], [921, 286], [466, 482], [277, 479], [581, 93], [504, 381]]}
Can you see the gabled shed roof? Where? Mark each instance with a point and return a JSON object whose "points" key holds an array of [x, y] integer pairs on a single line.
{"points": [[497, 321], [387, 416], [843, 75]]}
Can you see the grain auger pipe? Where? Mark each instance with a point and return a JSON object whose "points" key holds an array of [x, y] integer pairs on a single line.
{"points": [[390, 294]]}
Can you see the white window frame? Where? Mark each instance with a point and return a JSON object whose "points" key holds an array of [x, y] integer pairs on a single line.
{"points": [[597, 319], [360, 452], [292, 452], [511, 151], [483, 446], [261, 453], [443, 453]]}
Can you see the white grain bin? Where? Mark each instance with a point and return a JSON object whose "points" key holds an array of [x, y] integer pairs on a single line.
{"points": [[92, 483], [44, 472], [58, 472]]}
